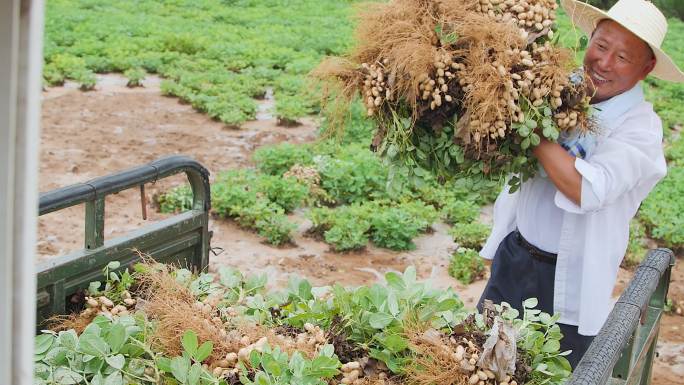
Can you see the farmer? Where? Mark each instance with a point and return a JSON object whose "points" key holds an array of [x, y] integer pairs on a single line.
{"points": [[562, 236]]}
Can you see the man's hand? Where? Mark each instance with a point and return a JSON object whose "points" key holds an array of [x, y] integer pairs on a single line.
{"points": [[560, 167]]}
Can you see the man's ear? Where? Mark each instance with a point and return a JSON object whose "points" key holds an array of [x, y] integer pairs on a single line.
{"points": [[648, 67]]}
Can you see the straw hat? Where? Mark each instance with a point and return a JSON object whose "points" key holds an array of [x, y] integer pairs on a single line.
{"points": [[640, 17]]}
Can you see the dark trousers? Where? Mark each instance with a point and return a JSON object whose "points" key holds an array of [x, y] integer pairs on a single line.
{"points": [[515, 276]]}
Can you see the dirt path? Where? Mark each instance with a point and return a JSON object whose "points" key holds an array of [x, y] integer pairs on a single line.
{"points": [[91, 134]]}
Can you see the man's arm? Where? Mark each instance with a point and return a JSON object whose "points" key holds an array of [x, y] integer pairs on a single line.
{"points": [[560, 167]]}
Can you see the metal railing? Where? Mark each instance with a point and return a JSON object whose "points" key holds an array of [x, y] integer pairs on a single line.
{"points": [[181, 239], [623, 351]]}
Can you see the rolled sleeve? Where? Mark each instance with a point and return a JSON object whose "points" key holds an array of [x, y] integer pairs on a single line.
{"points": [[621, 162], [593, 187]]}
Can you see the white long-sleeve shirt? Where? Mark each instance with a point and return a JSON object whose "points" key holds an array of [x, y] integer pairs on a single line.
{"points": [[590, 240]]}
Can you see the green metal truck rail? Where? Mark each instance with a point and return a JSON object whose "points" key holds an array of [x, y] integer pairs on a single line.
{"points": [[181, 239], [623, 351]]}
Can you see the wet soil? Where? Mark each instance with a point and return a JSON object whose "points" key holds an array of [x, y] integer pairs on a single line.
{"points": [[91, 134]]}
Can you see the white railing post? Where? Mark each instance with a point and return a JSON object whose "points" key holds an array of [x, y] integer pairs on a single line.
{"points": [[9, 35]]}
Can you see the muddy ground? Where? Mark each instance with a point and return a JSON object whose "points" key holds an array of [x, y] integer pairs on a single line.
{"points": [[90, 134]]}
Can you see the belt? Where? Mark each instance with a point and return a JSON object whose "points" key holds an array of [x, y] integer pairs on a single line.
{"points": [[535, 252]]}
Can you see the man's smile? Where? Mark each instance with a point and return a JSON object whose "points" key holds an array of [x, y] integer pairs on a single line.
{"points": [[597, 79]]}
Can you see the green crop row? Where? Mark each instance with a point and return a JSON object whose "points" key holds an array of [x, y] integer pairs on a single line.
{"points": [[259, 201], [347, 192], [466, 265], [388, 224], [255, 201], [216, 55]]}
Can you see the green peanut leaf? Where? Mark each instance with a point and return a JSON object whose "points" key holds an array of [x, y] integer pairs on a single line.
{"points": [[204, 351], [392, 151], [98, 379], [179, 368], [189, 342], [93, 345], [229, 277], [56, 356], [524, 131], [164, 364], [66, 376], [117, 362], [553, 133], [94, 365], [395, 343], [551, 346], [525, 144], [448, 304], [534, 139], [393, 304], [530, 303], [68, 339], [43, 342], [297, 364], [116, 337], [325, 367], [194, 374], [395, 281], [380, 320], [255, 282]]}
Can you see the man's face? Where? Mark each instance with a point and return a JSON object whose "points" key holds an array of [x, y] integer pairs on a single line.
{"points": [[615, 60]]}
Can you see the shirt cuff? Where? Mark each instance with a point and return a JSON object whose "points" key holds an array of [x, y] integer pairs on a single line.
{"points": [[591, 189], [492, 244], [488, 250]]}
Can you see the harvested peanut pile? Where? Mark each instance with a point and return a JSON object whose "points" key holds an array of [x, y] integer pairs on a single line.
{"points": [[165, 325], [460, 87]]}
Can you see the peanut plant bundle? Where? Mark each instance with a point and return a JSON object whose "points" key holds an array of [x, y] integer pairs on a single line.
{"points": [[460, 86]]}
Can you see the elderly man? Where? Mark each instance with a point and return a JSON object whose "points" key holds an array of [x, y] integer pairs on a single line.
{"points": [[562, 236]]}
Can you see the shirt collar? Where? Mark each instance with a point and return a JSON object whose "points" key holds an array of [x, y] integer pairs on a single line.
{"points": [[609, 110]]}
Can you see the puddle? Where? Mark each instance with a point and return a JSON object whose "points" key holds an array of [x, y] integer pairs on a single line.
{"points": [[266, 106]]}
